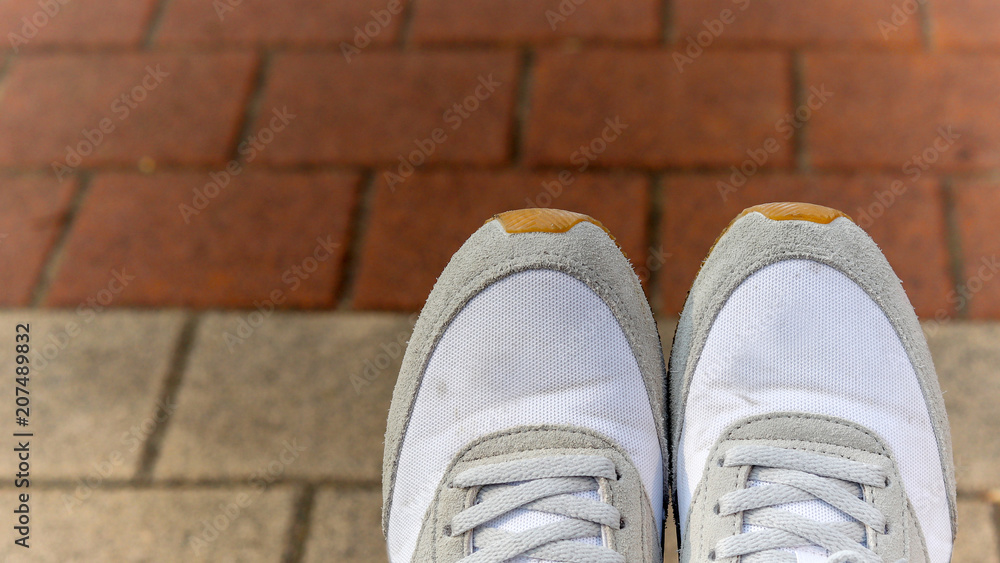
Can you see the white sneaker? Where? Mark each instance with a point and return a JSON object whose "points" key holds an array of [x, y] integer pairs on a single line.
{"points": [[807, 422], [527, 423]]}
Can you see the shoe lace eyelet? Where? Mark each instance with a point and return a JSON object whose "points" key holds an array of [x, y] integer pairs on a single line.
{"points": [[716, 509], [711, 555], [446, 530], [621, 524], [722, 461]]}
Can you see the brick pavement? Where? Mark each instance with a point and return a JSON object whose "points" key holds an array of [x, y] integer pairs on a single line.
{"points": [[260, 438], [830, 103], [198, 150]]}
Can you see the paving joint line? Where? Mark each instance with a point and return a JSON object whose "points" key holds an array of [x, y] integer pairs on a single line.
{"points": [[57, 252], [254, 101], [628, 46], [298, 531], [981, 495], [404, 41], [197, 168], [155, 22], [953, 242], [346, 484], [988, 175], [667, 23], [168, 396], [522, 107], [654, 221], [800, 148], [995, 520], [926, 25], [198, 484], [484, 45], [173, 49], [6, 62], [360, 219]]}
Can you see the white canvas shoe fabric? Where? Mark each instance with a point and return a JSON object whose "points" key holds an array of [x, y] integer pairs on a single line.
{"points": [[537, 347], [800, 336]]}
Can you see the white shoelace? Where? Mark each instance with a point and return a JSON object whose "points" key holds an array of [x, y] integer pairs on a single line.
{"points": [[793, 476], [546, 484]]}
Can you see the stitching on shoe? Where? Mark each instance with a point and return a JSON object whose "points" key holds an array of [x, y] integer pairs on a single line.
{"points": [[824, 418]]}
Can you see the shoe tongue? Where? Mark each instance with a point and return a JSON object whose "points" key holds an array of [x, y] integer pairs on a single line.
{"points": [[521, 520], [815, 510]]}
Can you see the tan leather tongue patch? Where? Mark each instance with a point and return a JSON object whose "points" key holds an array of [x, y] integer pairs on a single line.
{"points": [[542, 220], [795, 211]]}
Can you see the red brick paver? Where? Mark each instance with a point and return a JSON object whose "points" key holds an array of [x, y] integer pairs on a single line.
{"points": [[437, 93], [197, 22], [536, 21], [792, 23], [262, 233], [414, 230], [966, 24], [908, 225], [81, 111], [32, 211], [27, 24], [895, 111], [387, 106], [719, 107], [976, 205]]}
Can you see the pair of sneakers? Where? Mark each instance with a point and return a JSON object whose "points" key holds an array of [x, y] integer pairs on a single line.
{"points": [[800, 419]]}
